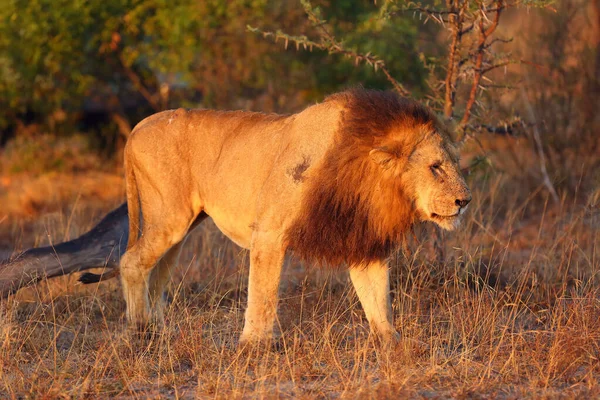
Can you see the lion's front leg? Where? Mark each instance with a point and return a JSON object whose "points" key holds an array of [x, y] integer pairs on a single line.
{"points": [[266, 260], [372, 284]]}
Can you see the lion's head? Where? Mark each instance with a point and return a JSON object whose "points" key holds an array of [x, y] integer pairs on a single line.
{"points": [[393, 164], [441, 194], [429, 171]]}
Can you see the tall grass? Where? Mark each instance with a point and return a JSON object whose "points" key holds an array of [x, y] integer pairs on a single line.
{"points": [[514, 312]]}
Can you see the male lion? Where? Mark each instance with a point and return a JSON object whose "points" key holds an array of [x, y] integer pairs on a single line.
{"points": [[340, 182]]}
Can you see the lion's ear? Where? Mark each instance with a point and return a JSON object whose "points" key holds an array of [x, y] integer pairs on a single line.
{"points": [[384, 157]]}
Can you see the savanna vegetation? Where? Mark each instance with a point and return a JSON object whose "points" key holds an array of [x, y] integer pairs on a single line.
{"points": [[508, 306]]}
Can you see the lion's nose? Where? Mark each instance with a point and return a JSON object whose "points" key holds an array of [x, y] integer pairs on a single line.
{"points": [[462, 203]]}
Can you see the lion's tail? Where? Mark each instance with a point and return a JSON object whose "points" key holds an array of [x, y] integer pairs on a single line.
{"points": [[133, 209], [133, 203]]}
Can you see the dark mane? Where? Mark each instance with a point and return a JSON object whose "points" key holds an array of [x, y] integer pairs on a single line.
{"points": [[351, 214], [372, 113]]}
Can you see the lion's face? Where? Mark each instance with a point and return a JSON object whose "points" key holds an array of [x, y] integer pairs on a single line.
{"points": [[441, 193], [431, 176]]}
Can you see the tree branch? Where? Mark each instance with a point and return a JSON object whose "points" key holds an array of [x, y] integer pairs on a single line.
{"points": [[455, 18], [484, 34], [137, 83], [332, 45]]}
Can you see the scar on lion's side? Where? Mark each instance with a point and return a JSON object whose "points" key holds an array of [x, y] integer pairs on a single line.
{"points": [[297, 172]]}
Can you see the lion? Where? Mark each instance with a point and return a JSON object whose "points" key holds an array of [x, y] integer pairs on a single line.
{"points": [[339, 183]]}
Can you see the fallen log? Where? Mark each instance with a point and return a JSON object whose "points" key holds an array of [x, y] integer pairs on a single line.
{"points": [[101, 247]]}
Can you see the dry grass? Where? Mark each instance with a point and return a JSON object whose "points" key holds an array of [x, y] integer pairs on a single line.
{"points": [[514, 313]]}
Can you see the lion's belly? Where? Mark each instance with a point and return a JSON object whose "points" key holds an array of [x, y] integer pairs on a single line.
{"points": [[236, 229]]}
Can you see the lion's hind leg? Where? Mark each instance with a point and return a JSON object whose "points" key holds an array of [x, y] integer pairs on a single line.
{"points": [[159, 235], [161, 274], [159, 277]]}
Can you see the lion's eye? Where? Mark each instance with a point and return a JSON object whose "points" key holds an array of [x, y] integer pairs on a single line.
{"points": [[435, 167]]}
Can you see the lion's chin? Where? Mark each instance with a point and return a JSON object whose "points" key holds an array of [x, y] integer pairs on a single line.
{"points": [[448, 223]]}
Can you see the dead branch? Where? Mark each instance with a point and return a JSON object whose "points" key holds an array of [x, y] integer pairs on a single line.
{"points": [[540, 148], [101, 247]]}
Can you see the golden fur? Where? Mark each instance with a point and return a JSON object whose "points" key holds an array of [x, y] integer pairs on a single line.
{"points": [[340, 182]]}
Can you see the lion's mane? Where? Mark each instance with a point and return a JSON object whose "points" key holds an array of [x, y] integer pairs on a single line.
{"points": [[350, 214]]}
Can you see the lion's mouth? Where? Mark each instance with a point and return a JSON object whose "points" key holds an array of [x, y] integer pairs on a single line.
{"points": [[438, 216], [449, 222]]}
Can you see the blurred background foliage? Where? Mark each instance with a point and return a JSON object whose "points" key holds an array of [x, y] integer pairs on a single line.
{"points": [[94, 68], [99, 66]]}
